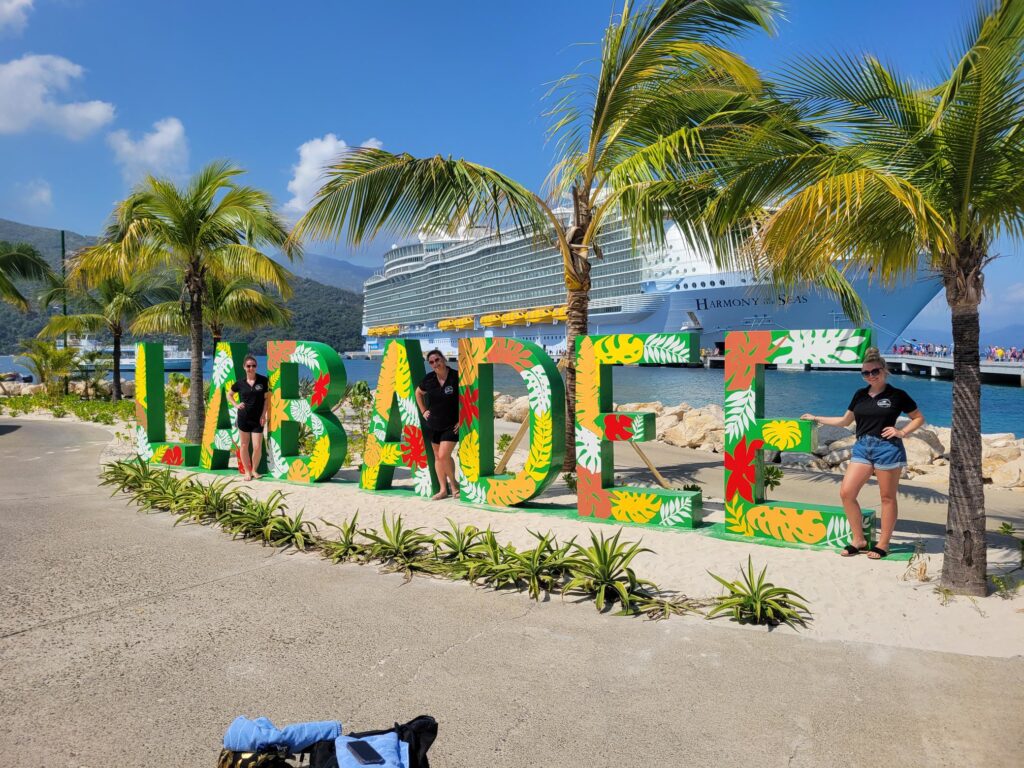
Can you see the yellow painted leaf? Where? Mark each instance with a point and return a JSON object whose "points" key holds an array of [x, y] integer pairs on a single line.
{"points": [[298, 471], [318, 459], [506, 493], [158, 454], [787, 523], [541, 443], [587, 382], [636, 507], [391, 454], [781, 434], [372, 453], [736, 517], [368, 477], [386, 380], [469, 456], [620, 348], [140, 376], [403, 374]]}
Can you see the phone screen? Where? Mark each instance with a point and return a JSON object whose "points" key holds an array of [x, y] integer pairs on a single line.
{"points": [[364, 753]]}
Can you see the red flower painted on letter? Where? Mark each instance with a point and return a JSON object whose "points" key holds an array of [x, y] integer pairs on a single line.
{"points": [[414, 452], [618, 427], [320, 389], [469, 407], [173, 456], [742, 472]]}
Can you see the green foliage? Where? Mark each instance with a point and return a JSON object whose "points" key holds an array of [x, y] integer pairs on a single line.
{"points": [[285, 531], [359, 402], [658, 608], [570, 480], [252, 516], [540, 568], [603, 570], [96, 411], [48, 364], [127, 476], [1006, 586], [346, 546], [202, 502], [773, 475], [401, 548], [756, 601], [160, 492], [59, 411], [504, 441], [488, 563], [1008, 530], [454, 546]]}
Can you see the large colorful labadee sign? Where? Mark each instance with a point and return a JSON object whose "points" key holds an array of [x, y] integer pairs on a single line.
{"points": [[396, 437]]}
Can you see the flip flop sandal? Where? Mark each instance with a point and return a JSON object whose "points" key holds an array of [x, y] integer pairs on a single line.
{"points": [[878, 552], [849, 550]]}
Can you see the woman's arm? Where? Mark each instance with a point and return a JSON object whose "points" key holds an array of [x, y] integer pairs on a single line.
{"points": [[916, 422], [266, 409], [832, 421], [422, 405]]}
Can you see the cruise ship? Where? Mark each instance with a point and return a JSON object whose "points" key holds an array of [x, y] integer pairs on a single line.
{"points": [[438, 290]]}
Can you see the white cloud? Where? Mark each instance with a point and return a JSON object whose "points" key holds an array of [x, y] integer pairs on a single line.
{"points": [[14, 15], [306, 179], [1014, 294], [161, 152], [36, 194], [27, 89]]}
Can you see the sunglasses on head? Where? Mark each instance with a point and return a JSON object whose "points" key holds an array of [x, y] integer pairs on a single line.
{"points": [[871, 372]]}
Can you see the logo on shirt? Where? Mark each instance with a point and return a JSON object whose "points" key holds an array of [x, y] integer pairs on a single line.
{"points": [[258, 387], [885, 402], [448, 390]]}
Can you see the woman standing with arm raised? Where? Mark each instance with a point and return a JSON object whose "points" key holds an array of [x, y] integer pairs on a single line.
{"points": [[879, 449], [438, 399]]}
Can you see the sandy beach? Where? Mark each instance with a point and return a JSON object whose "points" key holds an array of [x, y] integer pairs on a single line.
{"points": [[852, 599]]}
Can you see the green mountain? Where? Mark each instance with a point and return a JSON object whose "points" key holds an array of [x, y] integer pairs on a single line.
{"points": [[320, 312]]}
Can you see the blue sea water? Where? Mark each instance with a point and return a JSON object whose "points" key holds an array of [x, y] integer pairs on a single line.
{"points": [[789, 393]]}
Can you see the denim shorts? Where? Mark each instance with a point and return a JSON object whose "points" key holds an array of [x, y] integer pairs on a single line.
{"points": [[879, 453]]}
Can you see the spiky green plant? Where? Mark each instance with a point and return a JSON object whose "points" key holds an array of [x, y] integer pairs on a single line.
{"points": [[454, 545], [285, 531], [487, 564], [160, 492], [604, 571], [540, 568], [346, 546], [658, 607], [753, 600], [128, 475], [398, 547], [252, 516], [203, 502]]}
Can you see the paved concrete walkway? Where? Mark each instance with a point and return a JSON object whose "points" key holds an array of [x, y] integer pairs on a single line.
{"points": [[126, 642]]}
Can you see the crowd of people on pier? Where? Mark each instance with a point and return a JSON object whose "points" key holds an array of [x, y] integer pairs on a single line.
{"points": [[1000, 354], [923, 349]]}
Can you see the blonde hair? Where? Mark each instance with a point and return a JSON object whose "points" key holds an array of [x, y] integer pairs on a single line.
{"points": [[873, 356]]}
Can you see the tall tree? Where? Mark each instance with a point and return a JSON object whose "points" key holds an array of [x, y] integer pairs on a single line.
{"points": [[661, 70], [211, 218], [856, 160], [19, 261], [107, 306], [48, 363], [236, 302]]}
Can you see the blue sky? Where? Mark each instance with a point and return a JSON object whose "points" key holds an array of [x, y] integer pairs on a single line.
{"points": [[94, 93]]}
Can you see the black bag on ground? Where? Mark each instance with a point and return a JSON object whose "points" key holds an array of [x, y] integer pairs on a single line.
{"points": [[419, 733]]}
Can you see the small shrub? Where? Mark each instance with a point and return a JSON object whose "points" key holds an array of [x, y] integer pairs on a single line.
{"points": [[202, 502], [488, 561], [540, 568], [253, 515], [756, 601], [692, 487], [658, 608], [398, 547], [570, 480], [504, 441], [1005, 586], [345, 547], [59, 412], [1008, 530], [603, 570], [285, 531], [773, 475], [454, 546]]}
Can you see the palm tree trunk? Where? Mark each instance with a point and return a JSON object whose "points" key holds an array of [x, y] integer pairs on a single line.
{"points": [[577, 284], [194, 429], [115, 389], [965, 557]]}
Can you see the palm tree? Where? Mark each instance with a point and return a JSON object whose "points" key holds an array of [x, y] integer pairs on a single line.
{"points": [[211, 219], [19, 261], [47, 362], [661, 71], [109, 307], [857, 160], [236, 302]]}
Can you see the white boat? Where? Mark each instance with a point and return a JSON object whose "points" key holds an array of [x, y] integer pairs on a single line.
{"points": [[482, 284], [175, 359]]}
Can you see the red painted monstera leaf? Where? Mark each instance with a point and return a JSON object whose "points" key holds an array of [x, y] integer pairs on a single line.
{"points": [[617, 427], [742, 471], [320, 389], [469, 408], [414, 453]]}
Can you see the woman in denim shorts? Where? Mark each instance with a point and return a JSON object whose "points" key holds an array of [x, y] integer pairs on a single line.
{"points": [[879, 449]]}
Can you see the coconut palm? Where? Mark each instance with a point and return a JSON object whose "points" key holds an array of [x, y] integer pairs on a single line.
{"points": [[109, 306], [860, 161], [212, 218], [661, 69], [19, 261], [236, 302], [47, 362]]}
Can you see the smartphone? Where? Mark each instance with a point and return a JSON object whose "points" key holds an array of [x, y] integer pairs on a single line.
{"points": [[364, 753]]}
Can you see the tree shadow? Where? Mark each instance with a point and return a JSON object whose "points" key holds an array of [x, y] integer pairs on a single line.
{"points": [[6, 428]]}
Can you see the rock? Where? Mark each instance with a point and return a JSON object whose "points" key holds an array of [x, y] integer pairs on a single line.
{"points": [[33, 389], [128, 388], [928, 435], [663, 423], [677, 411], [842, 443], [921, 449], [994, 455], [501, 405], [676, 435], [1010, 474], [837, 457], [519, 410], [999, 438], [828, 435], [803, 461], [933, 473], [942, 435], [697, 427], [655, 407]]}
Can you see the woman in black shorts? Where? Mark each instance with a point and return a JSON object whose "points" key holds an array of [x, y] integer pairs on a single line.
{"points": [[438, 399], [254, 402], [879, 449]]}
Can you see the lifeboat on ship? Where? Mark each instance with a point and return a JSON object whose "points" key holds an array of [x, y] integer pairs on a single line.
{"points": [[462, 323], [447, 324], [560, 314], [540, 315], [490, 321], [515, 317]]}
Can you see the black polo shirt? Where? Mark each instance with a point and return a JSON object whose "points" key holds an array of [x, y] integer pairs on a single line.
{"points": [[873, 414], [442, 402], [252, 396]]}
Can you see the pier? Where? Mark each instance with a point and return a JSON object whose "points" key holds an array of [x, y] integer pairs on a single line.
{"points": [[913, 365]]}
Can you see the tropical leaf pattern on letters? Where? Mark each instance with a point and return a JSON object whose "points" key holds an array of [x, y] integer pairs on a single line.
{"points": [[781, 434], [666, 348], [676, 511], [843, 345], [588, 450], [538, 388], [739, 412], [221, 367], [307, 356]]}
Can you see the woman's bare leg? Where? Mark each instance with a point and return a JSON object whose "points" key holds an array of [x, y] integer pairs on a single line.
{"points": [[257, 453], [243, 454], [443, 492], [445, 467], [888, 487], [853, 481]]}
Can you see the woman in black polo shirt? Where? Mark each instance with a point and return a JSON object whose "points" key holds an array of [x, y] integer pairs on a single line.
{"points": [[438, 399], [254, 401], [879, 449]]}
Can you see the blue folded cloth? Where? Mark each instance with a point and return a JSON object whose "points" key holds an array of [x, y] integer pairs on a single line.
{"points": [[245, 735], [394, 751]]}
